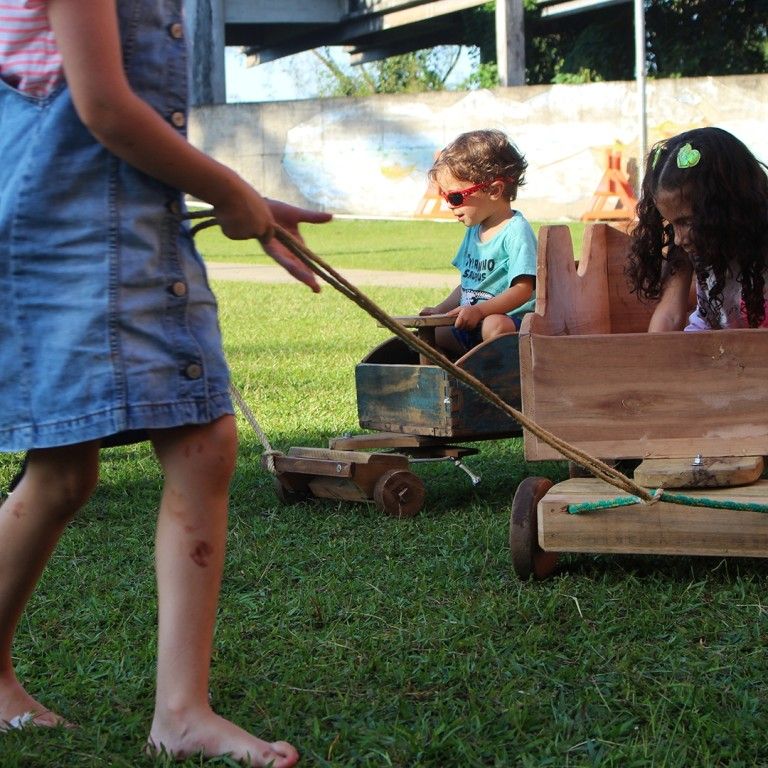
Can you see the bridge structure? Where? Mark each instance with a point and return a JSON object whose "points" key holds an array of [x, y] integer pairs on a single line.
{"points": [[369, 29]]}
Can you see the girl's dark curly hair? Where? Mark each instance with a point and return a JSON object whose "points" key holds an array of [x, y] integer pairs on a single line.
{"points": [[480, 156], [728, 192]]}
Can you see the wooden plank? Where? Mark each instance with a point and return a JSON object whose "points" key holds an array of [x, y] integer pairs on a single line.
{"points": [[382, 460], [627, 313], [403, 398], [425, 321], [336, 488], [660, 528], [308, 466], [650, 395], [381, 440], [572, 299], [699, 472]]}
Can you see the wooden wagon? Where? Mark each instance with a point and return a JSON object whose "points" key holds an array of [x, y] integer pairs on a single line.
{"points": [[417, 412], [693, 407]]}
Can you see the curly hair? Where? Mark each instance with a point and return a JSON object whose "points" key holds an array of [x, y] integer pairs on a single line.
{"points": [[727, 189], [480, 156]]}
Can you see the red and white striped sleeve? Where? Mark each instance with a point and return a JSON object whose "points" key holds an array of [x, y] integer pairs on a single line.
{"points": [[29, 58]]}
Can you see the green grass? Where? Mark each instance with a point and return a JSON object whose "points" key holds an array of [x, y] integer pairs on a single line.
{"points": [[415, 246], [369, 641]]}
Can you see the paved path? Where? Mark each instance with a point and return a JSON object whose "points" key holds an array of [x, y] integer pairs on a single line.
{"points": [[263, 273]]}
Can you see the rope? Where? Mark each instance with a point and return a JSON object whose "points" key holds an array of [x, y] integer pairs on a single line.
{"points": [[671, 498], [269, 452]]}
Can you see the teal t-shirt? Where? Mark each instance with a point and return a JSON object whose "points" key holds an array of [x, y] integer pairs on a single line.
{"points": [[488, 269]]}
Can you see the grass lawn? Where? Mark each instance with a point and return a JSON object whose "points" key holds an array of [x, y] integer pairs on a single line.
{"points": [[369, 641], [417, 246]]}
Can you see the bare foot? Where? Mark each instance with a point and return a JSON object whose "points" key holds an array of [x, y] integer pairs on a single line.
{"points": [[212, 736], [19, 710]]}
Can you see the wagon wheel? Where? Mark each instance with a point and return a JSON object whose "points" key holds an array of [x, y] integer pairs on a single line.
{"points": [[399, 493], [528, 558], [285, 494]]}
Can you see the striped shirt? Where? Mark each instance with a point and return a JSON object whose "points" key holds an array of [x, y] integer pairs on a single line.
{"points": [[29, 58]]}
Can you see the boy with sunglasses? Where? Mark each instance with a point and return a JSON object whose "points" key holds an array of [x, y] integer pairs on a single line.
{"points": [[478, 175]]}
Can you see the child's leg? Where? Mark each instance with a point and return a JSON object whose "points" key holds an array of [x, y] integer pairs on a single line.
{"points": [[56, 483], [191, 535], [495, 325], [446, 341]]}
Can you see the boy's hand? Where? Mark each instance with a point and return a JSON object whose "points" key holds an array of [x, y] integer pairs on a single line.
{"points": [[467, 317], [429, 311]]}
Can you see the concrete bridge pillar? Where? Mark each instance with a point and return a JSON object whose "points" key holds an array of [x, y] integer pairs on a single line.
{"points": [[205, 30], [510, 42]]}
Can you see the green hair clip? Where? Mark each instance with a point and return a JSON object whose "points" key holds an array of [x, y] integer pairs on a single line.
{"points": [[687, 157]]}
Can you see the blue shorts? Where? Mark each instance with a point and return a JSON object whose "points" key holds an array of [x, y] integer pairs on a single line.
{"points": [[470, 339]]}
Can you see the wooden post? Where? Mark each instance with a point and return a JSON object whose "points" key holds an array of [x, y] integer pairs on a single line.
{"points": [[205, 30], [510, 42]]}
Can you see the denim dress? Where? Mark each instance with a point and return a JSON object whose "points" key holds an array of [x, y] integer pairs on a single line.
{"points": [[107, 322]]}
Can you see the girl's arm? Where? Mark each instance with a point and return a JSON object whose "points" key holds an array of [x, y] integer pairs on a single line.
{"points": [[671, 313], [88, 38]]}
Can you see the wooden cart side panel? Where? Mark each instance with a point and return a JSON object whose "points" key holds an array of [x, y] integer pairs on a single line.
{"points": [[391, 352], [571, 299], [528, 403], [628, 314], [403, 398], [591, 295], [649, 395], [661, 528], [496, 364]]}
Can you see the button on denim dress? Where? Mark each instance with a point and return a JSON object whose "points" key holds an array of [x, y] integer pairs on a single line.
{"points": [[107, 321]]}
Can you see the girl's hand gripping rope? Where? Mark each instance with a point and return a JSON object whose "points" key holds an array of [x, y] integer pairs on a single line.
{"points": [[286, 216]]}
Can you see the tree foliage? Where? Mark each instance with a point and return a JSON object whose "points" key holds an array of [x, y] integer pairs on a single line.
{"points": [[684, 38], [424, 70]]}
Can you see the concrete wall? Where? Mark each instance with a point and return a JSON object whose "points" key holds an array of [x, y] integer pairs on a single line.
{"points": [[370, 156]]}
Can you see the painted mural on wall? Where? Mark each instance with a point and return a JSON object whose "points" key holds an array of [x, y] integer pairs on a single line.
{"points": [[370, 156], [373, 157]]}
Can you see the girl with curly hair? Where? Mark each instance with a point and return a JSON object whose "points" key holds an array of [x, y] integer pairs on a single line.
{"points": [[703, 213]]}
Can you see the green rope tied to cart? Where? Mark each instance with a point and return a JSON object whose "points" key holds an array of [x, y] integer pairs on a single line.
{"points": [[672, 498]]}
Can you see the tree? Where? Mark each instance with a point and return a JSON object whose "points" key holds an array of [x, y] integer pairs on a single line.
{"points": [[424, 70], [685, 38], [703, 37]]}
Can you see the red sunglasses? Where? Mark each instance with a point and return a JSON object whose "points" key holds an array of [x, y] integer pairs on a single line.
{"points": [[455, 199]]}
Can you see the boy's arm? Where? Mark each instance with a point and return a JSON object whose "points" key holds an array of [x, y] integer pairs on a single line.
{"points": [[446, 305], [515, 296]]}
